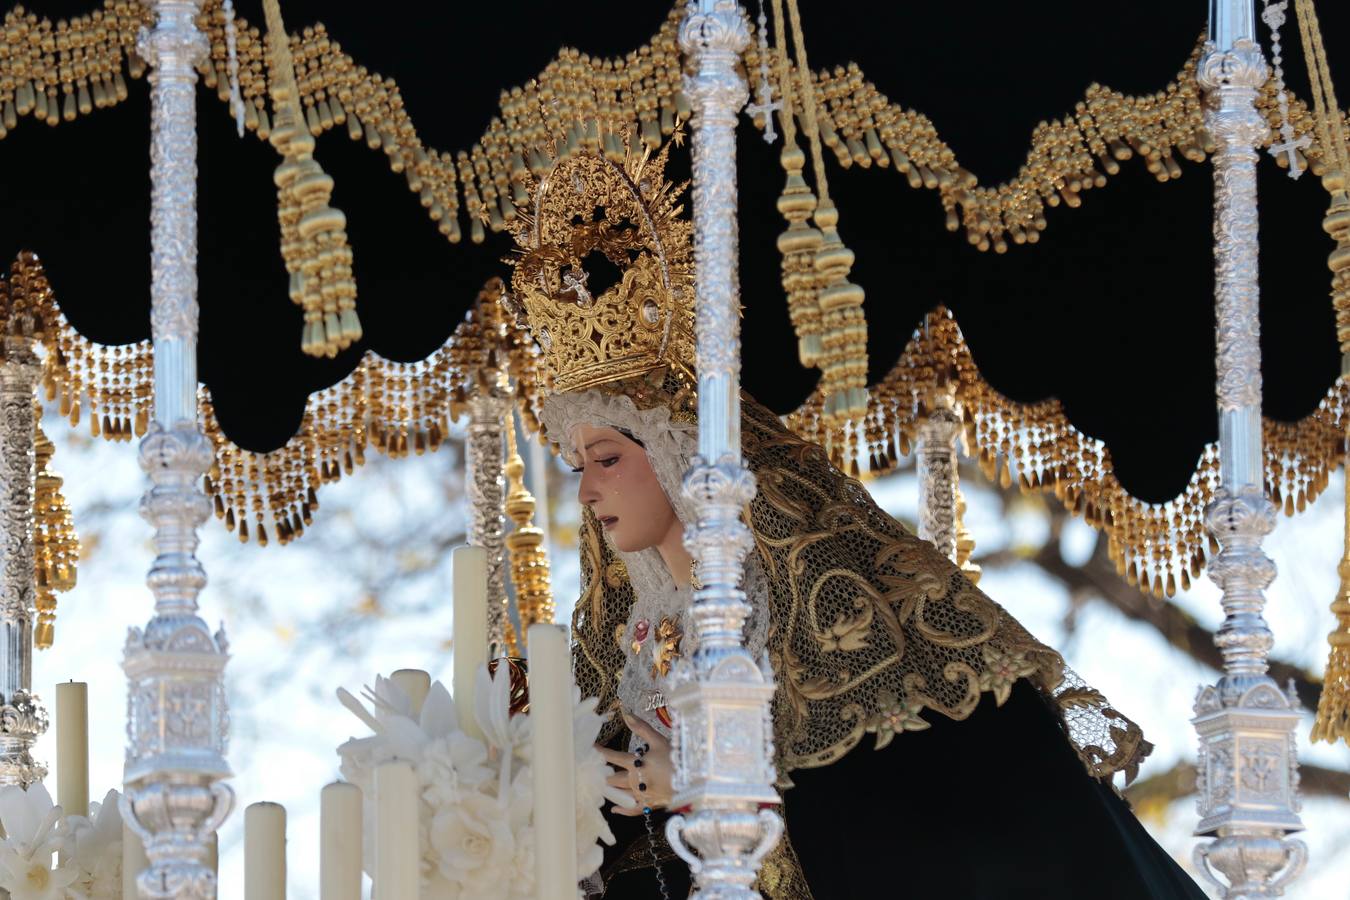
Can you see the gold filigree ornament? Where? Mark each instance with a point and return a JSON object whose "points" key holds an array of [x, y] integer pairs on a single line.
{"points": [[589, 214], [667, 649]]}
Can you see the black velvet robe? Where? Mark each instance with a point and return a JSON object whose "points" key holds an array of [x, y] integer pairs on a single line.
{"points": [[995, 807]]}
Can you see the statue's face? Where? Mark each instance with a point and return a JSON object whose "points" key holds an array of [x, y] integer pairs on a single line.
{"points": [[618, 484]]}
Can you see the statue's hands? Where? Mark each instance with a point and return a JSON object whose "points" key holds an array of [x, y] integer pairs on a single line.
{"points": [[646, 777]]}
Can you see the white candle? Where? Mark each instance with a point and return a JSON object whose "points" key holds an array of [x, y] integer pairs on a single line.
{"points": [[134, 861], [416, 684], [470, 630], [340, 842], [72, 748], [265, 852], [555, 799], [397, 849]]}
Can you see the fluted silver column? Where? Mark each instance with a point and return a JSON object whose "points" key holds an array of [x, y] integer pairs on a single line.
{"points": [[1248, 765], [177, 724], [485, 485], [723, 735], [937, 474], [22, 718]]}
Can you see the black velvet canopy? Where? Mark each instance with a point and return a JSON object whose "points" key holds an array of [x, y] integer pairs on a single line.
{"points": [[1112, 312]]}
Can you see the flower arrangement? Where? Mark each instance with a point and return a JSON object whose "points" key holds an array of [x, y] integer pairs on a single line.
{"points": [[476, 817], [47, 855]]}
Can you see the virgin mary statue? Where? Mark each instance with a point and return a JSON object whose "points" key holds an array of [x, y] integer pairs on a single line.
{"points": [[927, 745]]}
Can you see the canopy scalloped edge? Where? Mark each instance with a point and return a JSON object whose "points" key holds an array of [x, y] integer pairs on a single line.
{"points": [[1158, 546], [403, 408], [397, 408], [580, 101]]}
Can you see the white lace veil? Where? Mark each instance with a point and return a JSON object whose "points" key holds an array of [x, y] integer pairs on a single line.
{"points": [[669, 446]]}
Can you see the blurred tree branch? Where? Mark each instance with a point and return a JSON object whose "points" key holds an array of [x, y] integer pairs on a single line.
{"points": [[1097, 578]]}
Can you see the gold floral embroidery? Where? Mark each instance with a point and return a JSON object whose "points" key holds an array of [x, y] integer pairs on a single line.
{"points": [[668, 637], [895, 717], [1003, 668], [848, 632]]}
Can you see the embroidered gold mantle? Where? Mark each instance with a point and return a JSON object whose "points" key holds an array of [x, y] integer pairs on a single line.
{"points": [[868, 625]]}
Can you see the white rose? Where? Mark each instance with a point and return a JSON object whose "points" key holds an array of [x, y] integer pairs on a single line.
{"points": [[473, 842]]}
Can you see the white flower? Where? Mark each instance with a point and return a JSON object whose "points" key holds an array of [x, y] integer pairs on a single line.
{"points": [[476, 832], [522, 865], [474, 843], [450, 764], [98, 849], [32, 836], [521, 811], [443, 755], [492, 708], [592, 789]]}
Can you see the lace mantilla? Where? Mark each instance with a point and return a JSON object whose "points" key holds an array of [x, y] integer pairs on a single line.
{"points": [[866, 625]]}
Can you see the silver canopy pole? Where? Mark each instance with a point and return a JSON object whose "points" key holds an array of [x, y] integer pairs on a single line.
{"points": [[723, 735], [1248, 766], [177, 725]]}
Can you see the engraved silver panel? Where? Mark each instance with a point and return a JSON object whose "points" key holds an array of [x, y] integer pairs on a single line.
{"points": [[937, 478]]}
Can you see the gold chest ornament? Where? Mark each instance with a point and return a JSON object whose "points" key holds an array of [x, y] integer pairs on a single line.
{"points": [[665, 651]]}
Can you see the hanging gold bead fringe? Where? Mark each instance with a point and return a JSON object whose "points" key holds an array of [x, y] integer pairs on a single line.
{"points": [[1158, 547], [833, 316]]}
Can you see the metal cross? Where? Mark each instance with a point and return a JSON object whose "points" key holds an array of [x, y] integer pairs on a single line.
{"points": [[767, 106], [1288, 147]]}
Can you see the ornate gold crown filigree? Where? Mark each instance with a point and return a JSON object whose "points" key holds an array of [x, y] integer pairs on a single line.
{"points": [[592, 215]]}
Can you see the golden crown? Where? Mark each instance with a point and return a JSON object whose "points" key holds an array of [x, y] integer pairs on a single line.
{"points": [[591, 215]]}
